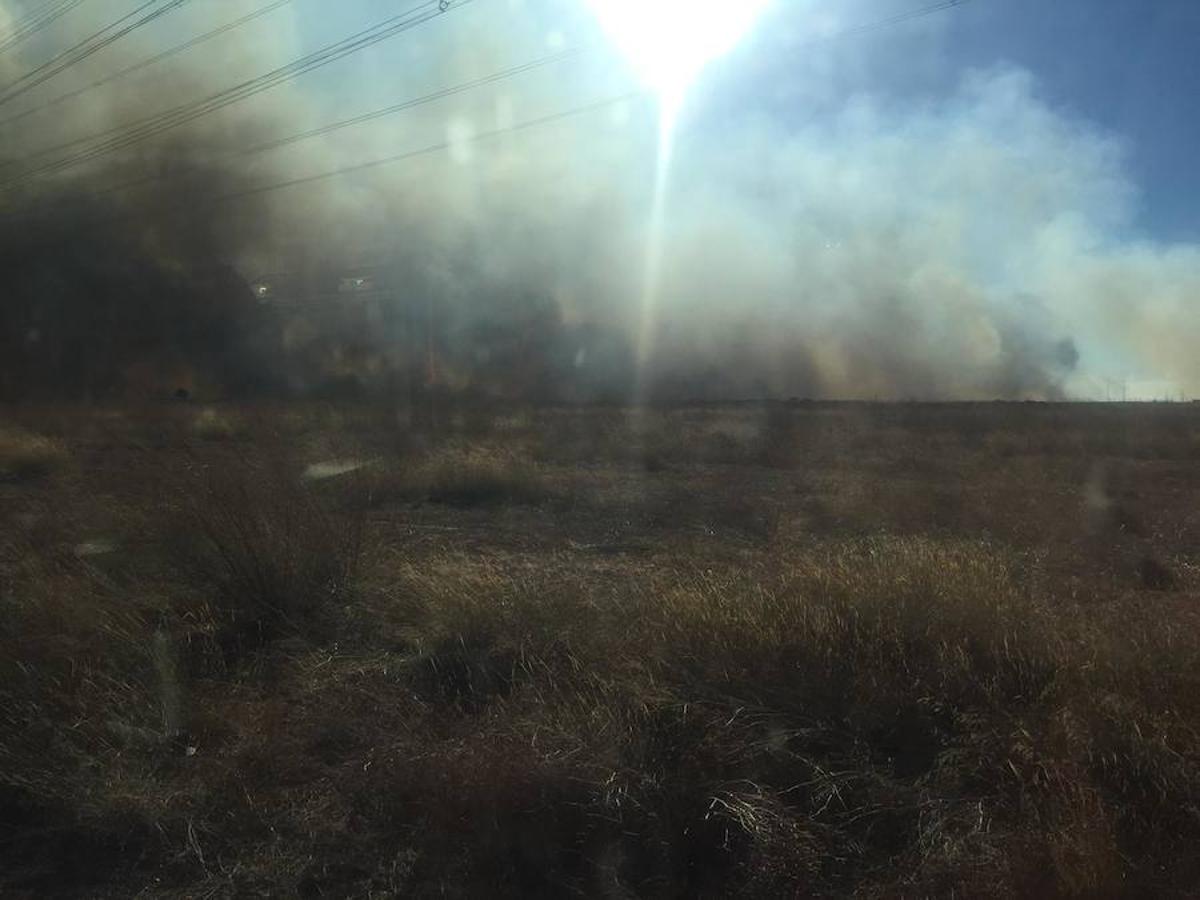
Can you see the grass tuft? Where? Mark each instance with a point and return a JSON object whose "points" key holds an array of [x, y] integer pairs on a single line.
{"points": [[25, 456], [214, 425], [266, 557], [465, 480]]}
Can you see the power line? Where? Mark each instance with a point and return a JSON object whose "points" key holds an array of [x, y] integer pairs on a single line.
{"points": [[85, 48], [131, 133], [441, 94], [73, 49], [901, 18], [149, 61], [479, 82], [156, 124], [441, 146], [519, 127], [36, 21], [28, 16], [265, 81], [375, 114], [494, 78], [316, 59]]}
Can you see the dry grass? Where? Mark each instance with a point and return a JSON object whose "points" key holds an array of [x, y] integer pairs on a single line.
{"points": [[81, 715], [479, 481], [817, 651], [27, 456], [835, 718], [266, 557], [463, 478], [216, 425]]}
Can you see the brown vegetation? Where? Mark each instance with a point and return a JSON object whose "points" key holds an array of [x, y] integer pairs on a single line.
{"points": [[813, 649], [27, 456]]}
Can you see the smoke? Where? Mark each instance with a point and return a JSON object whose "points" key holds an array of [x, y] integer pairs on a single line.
{"points": [[973, 244], [116, 292], [106, 296]]}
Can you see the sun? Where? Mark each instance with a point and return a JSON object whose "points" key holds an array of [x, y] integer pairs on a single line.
{"points": [[669, 42]]}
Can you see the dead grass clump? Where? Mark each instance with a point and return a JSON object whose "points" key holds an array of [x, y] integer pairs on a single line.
{"points": [[266, 558], [214, 425], [481, 481], [1155, 575], [26, 456], [477, 633], [481, 478]]}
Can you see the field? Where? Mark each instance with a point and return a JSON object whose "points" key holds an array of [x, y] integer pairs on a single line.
{"points": [[796, 649]]}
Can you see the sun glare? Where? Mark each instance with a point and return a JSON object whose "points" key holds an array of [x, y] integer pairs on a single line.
{"points": [[669, 42]]}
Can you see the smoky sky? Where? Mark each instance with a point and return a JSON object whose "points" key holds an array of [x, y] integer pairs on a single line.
{"points": [[818, 241]]}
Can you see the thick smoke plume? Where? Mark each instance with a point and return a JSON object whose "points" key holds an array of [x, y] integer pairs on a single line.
{"points": [[109, 296], [968, 246]]}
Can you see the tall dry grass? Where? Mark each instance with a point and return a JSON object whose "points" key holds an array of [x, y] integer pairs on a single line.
{"points": [[837, 718], [264, 556], [81, 713]]}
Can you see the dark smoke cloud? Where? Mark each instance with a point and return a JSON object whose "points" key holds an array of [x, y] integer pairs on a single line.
{"points": [[104, 295]]}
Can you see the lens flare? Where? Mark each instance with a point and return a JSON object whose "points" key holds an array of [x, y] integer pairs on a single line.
{"points": [[669, 42]]}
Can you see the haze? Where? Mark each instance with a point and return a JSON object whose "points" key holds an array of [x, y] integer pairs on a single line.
{"points": [[867, 200]]}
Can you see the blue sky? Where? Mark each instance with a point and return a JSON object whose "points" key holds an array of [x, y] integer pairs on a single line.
{"points": [[1127, 67], [1130, 66]]}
